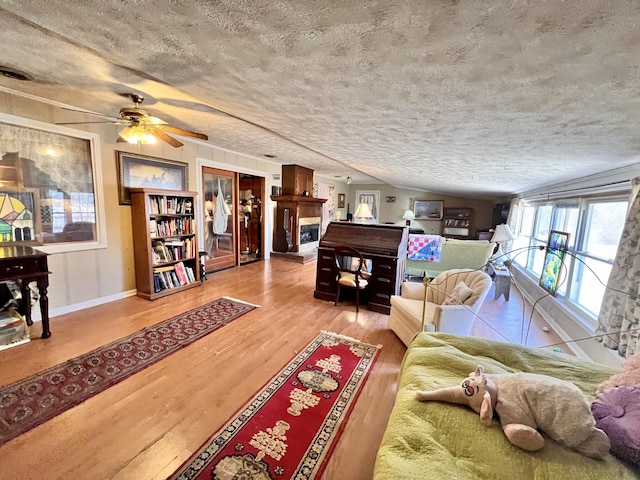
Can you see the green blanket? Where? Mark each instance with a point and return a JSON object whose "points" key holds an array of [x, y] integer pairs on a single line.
{"points": [[434, 440]]}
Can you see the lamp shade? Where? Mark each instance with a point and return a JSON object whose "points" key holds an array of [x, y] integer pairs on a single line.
{"points": [[502, 234], [409, 215], [363, 211]]}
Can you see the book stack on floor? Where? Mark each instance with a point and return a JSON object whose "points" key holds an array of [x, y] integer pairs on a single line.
{"points": [[13, 327]]}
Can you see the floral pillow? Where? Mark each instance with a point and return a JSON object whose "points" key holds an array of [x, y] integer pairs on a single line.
{"points": [[458, 295]]}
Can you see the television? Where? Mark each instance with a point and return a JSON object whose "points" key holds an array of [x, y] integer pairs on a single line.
{"points": [[553, 260]]}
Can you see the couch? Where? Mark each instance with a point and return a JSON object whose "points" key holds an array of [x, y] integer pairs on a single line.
{"points": [[454, 253], [435, 440], [407, 309]]}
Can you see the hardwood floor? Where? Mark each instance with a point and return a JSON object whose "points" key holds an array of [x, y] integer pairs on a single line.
{"points": [[146, 426]]}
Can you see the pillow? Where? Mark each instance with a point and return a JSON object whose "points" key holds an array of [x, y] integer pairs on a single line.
{"points": [[617, 412], [458, 295]]}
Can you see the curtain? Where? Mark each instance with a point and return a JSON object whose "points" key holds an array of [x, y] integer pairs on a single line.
{"points": [[322, 190], [512, 222], [619, 317]]}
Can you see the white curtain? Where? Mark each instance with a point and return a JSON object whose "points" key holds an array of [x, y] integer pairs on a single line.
{"points": [[619, 317], [322, 190]]}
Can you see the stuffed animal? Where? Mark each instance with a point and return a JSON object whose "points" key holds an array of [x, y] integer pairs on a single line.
{"points": [[526, 403], [630, 375]]}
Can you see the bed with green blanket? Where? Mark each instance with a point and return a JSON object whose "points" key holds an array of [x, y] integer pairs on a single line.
{"points": [[435, 440]]}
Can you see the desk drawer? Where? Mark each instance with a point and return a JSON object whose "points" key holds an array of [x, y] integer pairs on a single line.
{"points": [[26, 266]]}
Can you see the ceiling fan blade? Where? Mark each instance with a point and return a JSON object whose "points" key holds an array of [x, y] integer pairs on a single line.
{"points": [[151, 120], [86, 123], [87, 112], [179, 131], [120, 139], [163, 136]]}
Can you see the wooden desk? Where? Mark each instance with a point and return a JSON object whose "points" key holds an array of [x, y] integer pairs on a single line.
{"points": [[24, 264], [384, 245]]}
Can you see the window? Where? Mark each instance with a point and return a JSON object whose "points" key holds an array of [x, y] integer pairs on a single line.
{"points": [[50, 177], [594, 226]]}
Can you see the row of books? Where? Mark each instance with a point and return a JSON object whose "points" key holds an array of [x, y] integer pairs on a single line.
{"points": [[174, 226], [163, 205], [172, 277], [170, 250]]}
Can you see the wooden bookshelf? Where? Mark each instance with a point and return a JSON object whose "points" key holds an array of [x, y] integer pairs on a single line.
{"points": [[165, 245], [457, 223]]}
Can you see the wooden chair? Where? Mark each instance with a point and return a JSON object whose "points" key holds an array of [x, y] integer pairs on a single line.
{"points": [[354, 275]]}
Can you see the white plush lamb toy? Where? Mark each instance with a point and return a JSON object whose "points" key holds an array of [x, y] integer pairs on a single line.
{"points": [[526, 403]]}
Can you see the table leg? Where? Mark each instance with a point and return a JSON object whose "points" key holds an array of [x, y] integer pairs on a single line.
{"points": [[44, 307], [26, 300]]}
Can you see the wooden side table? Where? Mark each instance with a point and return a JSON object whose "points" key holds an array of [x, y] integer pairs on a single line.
{"points": [[24, 264], [502, 278]]}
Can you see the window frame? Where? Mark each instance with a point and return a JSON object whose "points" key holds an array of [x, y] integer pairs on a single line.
{"points": [[568, 298], [96, 170]]}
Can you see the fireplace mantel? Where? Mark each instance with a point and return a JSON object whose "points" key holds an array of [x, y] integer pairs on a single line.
{"points": [[297, 199]]}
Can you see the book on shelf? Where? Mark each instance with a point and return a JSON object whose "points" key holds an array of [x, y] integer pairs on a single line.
{"points": [[190, 274], [181, 273]]}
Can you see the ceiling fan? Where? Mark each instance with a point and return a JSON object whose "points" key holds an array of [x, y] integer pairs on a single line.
{"points": [[141, 127]]}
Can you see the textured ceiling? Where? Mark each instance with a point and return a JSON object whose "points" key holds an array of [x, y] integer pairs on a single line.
{"points": [[481, 98]]}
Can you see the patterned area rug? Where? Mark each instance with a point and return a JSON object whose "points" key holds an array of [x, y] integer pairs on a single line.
{"points": [[289, 428], [29, 402]]}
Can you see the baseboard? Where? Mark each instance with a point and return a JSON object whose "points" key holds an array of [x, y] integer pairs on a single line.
{"points": [[36, 316]]}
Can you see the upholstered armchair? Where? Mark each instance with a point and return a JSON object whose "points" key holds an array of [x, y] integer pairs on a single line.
{"points": [[445, 306]]}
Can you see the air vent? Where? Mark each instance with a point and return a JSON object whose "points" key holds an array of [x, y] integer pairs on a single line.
{"points": [[15, 74]]}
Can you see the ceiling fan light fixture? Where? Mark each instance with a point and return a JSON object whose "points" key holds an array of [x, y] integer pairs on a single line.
{"points": [[136, 134]]}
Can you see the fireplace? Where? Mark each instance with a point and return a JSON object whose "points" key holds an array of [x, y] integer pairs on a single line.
{"points": [[298, 215], [308, 233]]}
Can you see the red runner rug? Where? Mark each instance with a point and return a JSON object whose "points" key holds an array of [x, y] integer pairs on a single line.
{"points": [[290, 428], [29, 402]]}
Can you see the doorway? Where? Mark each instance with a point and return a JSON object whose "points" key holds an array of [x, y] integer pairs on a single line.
{"points": [[220, 198], [233, 218], [250, 218]]}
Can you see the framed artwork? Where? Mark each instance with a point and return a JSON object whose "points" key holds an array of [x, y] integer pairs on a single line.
{"points": [[141, 171], [428, 209], [556, 249], [390, 199], [19, 221], [51, 186], [341, 199], [371, 198]]}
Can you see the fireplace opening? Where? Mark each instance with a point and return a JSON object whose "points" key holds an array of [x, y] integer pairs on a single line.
{"points": [[309, 233]]}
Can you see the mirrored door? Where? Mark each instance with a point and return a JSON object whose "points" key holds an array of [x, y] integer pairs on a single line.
{"points": [[220, 198]]}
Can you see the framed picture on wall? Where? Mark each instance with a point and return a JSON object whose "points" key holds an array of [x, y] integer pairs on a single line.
{"points": [[341, 200], [141, 171], [51, 186], [428, 209], [371, 198]]}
